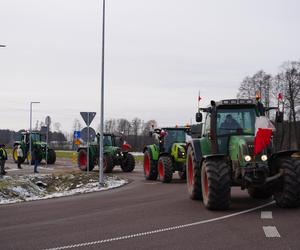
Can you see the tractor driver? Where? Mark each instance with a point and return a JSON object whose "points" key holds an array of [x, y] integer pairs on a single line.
{"points": [[229, 124]]}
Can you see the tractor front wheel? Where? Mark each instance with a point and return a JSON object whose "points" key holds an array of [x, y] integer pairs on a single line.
{"points": [[215, 179], [82, 160], [51, 156], [150, 168], [287, 195], [193, 174], [165, 169], [128, 163]]}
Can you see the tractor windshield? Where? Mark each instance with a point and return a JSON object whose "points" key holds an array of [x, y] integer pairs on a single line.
{"points": [[173, 136], [107, 140], [236, 121], [35, 137]]}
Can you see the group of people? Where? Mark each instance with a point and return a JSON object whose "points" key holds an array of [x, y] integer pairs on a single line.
{"points": [[3, 158]]}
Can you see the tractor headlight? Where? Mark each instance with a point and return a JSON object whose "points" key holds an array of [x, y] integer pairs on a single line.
{"points": [[247, 158], [264, 157]]}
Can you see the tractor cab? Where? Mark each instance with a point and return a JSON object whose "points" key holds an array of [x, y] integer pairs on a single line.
{"points": [[169, 136]]}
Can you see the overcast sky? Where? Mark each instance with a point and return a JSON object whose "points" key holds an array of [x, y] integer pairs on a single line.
{"points": [[159, 53]]}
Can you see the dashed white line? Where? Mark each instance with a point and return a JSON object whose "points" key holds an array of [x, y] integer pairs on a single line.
{"points": [[84, 244], [271, 232], [266, 215]]}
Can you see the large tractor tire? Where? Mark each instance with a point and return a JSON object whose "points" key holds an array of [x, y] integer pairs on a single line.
{"points": [[82, 160], [260, 193], [128, 163], [216, 183], [193, 174], [150, 168], [165, 170], [287, 195], [51, 156], [108, 164]]}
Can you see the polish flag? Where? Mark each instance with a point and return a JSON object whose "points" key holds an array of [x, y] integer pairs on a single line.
{"points": [[263, 134]]}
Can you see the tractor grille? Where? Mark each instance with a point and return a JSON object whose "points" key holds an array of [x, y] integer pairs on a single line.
{"points": [[251, 149]]}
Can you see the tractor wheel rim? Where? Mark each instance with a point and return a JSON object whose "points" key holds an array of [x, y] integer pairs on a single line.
{"points": [[191, 172], [147, 165], [15, 155], [161, 170], [205, 179], [82, 161]]}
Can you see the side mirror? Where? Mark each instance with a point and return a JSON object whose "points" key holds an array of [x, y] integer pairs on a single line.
{"points": [[279, 117], [198, 117]]}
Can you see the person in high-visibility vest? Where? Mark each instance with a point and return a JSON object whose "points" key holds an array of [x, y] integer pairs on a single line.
{"points": [[3, 158]]}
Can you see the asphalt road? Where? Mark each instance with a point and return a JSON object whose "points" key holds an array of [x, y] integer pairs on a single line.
{"points": [[147, 215]]}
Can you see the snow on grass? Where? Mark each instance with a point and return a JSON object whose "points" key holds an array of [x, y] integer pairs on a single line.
{"points": [[33, 187]]}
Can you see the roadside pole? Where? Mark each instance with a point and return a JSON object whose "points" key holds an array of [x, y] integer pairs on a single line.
{"points": [[101, 177], [88, 143]]}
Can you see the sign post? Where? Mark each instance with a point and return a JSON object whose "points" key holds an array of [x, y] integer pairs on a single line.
{"points": [[47, 122], [88, 118]]}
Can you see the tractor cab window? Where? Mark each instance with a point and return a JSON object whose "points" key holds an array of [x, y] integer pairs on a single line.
{"points": [[206, 129], [236, 121], [35, 137], [107, 141], [173, 136]]}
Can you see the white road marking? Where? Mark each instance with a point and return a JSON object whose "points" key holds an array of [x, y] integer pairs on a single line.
{"points": [[271, 232], [266, 215], [125, 237]]}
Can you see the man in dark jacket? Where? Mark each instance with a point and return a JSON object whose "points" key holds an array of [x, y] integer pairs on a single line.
{"points": [[35, 158], [3, 158]]}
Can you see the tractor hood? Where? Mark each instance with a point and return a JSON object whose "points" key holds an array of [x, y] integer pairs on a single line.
{"points": [[241, 146], [178, 151]]}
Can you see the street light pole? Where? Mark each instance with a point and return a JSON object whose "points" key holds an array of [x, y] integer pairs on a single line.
{"points": [[2, 46], [101, 177], [30, 130]]}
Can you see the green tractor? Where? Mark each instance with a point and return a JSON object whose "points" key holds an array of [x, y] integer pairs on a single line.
{"points": [[113, 155], [36, 140], [224, 156], [166, 155]]}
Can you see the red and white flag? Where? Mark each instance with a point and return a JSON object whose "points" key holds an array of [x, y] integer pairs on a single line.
{"points": [[263, 134]]}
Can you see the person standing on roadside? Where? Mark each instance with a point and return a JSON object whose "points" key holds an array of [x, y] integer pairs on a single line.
{"points": [[3, 158], [35, 158], [20, 156]]}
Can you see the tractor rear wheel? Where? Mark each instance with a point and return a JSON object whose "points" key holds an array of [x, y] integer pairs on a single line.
{"points": [[259, 193], [288, 193], [193, 174], [215, 179], [150, 168], [82, 160], [51, 156], [128, 163], [165, 170], [108, 164]]}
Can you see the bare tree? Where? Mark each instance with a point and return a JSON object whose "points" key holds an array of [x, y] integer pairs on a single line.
{"points": [[123, 126], [147, 126], [57, 126], [110, 126], [290, 77], [77, 126]]}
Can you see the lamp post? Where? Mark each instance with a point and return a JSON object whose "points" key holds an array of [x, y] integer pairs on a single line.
{"points": [[101, 177], [2, 46], [30, 130]]}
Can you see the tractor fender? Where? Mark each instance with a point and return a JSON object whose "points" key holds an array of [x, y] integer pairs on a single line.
{"points": [[80, 148], [153, 150], [195, 144], [279, 154]]}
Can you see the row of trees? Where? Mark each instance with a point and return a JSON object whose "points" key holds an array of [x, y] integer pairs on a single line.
{"points": [[287, 83]]}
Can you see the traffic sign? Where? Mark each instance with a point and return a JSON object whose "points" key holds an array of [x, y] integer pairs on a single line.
{"points": [[88, 117], [76, 135], [88, 132]]}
